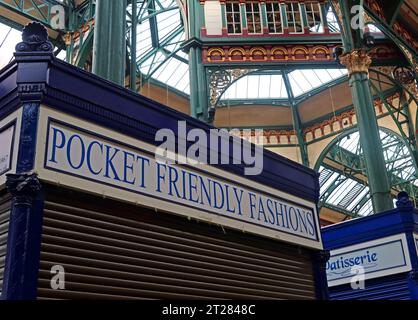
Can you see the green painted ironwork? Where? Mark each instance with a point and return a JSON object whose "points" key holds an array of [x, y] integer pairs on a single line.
{"points": [[341, 161], [41, 11], [387, 29], [133, 31], [366, 118], [297, 121], [109, 49], [370, 142]]}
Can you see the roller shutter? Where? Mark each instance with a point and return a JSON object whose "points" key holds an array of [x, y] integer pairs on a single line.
{"points": [[5, 205], [119, 251], [387, 288]]}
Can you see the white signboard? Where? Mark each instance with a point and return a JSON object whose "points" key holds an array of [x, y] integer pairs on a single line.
{"points": [[378, 258], [87, 155], [6, 147]]}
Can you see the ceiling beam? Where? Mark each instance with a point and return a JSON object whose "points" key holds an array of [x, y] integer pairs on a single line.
{"points": [[391, 9], [296, 120]]}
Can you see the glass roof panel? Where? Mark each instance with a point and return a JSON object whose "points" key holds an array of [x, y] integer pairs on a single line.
{"points": [[167, 21], [9, 37], [350, 193], [367, 209], [264, 86], [332, 21], [167, 63]]}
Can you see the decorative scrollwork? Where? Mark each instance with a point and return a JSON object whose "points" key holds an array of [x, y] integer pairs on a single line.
{"points": [[35, 39], [410, 57], [404, 75], [220, 80]]}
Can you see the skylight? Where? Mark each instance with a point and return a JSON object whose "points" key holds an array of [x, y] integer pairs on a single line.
{"points": [[9, 37], [159, 54], [272, 86], [303, 81], [257, 87], [160, 33], [351, 195]]}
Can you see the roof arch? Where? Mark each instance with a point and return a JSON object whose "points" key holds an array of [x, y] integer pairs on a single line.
{"points": [[343, 175]]}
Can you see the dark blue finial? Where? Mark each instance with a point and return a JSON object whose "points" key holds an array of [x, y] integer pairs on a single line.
{"points": [[403, 201], [35, 39]]}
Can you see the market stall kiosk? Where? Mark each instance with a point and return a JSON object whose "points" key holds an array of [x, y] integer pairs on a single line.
{"points": [[88, 212], [374, 257]]}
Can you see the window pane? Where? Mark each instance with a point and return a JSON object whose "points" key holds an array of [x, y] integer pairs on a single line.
{"points": [[294, 17], [313, 12], [253, 17], [332, 22], [274, 18], [233, 18]]}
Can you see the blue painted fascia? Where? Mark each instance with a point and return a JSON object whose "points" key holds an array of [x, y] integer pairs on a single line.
{"points": [[370, 228]]}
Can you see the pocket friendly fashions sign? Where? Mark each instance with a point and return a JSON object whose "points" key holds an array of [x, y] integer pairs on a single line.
{"points": [[73, 151], [378, 258]]}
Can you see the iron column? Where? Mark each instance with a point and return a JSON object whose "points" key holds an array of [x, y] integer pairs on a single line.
{"points": [[109, 46]]}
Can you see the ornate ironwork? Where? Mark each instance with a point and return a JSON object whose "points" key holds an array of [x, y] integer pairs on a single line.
{"points": [[221, 79], [356, 61], [404, 75], [35, 38]]}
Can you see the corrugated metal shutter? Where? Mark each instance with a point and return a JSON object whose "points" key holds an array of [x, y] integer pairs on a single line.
{"points": [[114, 250], [5, 205], [393, 287]]}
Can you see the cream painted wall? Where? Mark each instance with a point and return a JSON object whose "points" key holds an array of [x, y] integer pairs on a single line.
{"points": [[213, 18], [291, 153], [387, 122], [315, 149]]}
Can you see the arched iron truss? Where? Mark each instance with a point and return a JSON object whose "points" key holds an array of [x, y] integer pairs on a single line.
{"points": [[400, 151], [399, 109], [343, 178]]}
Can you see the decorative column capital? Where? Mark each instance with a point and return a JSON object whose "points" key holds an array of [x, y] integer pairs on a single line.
{"points": [[403, 202], [23, 187], [67, 38], [356, 61], [34, 39]]}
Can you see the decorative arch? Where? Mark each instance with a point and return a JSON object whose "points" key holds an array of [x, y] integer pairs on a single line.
{"points": [[348, 132], [280, 53], [300, 53], [216, 55], [258, 54], [237, 54], [350, 170]]}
